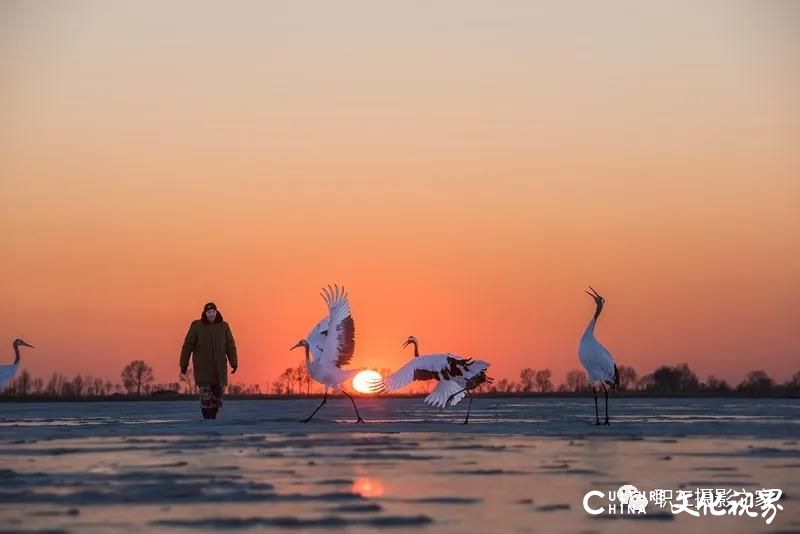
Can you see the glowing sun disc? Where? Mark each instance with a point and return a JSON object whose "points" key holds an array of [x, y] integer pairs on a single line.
{"points": [[364, 380]]}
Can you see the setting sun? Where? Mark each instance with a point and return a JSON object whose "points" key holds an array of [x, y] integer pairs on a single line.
{"points": [[364, 380]]}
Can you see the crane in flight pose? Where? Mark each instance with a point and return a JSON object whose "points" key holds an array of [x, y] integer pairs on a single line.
{"points": [[331, 343], [455, 377]]}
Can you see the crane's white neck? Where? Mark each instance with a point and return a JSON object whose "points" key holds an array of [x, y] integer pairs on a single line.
{"points": [[16, 354], [416, 349], [589, 333], [590, 329]]}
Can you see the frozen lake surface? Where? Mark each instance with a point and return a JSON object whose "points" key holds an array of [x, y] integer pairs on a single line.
{"points": [[521, 465]]}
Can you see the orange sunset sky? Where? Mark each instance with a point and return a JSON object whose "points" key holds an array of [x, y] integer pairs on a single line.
{"points": [[465, 169]]}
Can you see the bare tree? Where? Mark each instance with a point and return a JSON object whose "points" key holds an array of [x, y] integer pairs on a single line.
{"points": [[295, 380], [136, 375], [679, 378], [55, 385], [627, 377], [504, 385], [576, 381], [302, 376], [526, 379], [716, 385], [645, 382], [23, 382], [287, 377], [89, 381], [793, 384], [543, 380], [757, 383], [11, 387], [78, 385], [99, 386]]}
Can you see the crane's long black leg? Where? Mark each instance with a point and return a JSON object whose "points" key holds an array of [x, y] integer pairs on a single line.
{"points": [[324, 400], [596, 414], [451, 397], [468, 407], [605, 389], [354, 407]]}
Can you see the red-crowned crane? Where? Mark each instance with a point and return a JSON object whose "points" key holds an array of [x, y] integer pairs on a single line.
{"points": [[7, 372], [331, 343], [456, 377], [596, 359]]}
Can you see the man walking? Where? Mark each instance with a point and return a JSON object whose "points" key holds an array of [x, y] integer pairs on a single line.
{"points": [[210, 344]]}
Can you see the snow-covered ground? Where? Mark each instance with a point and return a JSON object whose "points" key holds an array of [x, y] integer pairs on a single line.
{"points": [[521, 465]]}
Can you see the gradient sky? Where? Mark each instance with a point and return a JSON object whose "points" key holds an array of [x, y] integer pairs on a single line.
{"points": [[464, 168]]}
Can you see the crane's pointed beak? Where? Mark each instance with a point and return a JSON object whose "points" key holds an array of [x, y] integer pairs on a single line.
{"points": [[406, 343], [27, 345], [298, 345]]}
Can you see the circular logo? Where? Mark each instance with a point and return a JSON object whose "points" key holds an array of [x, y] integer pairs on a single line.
{"points": [[624, 493], [637, 503]]}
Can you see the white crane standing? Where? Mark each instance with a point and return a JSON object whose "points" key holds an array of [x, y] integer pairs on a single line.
{"points": [[7, 372], [456, 377], [596, 359], [332, 343]]}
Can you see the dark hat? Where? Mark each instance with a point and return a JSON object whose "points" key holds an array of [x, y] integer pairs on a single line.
{"points": [[210, 306]]}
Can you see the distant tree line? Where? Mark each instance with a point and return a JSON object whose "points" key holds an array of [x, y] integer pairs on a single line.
{"points": [[137, 380], [678, 379]]}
